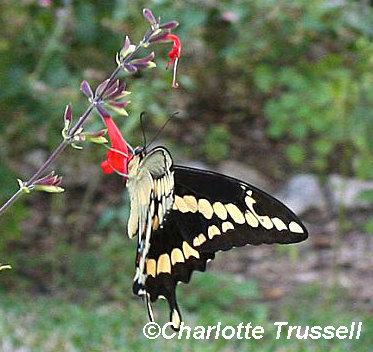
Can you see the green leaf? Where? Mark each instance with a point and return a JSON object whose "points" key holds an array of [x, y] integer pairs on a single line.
{"points": [[264, 78], [369, 226], [216, 143], [295, 153], [323, 146]]}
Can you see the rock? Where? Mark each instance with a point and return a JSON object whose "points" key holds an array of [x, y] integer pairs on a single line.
{"points": [[347, 191], [303, 193], [245, 173]]}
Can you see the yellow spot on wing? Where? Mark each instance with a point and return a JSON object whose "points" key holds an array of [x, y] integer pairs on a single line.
{"points": [[191, 203], [177, 256], [205, 208], [196, 242], [235, 213], [227, 225], [220, 210], [295, 227], [213, 231], [180, 204], [161, 183], [166, 185], [202, 238], [155, 222], [163, 264], [251, 219], [264, 220], [160, 212], [279, 224], [150, 267], [159, 189], [189, 251], [155, 188]]}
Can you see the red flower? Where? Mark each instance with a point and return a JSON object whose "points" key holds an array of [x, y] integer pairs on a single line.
{"points": [[174, 55], [118, 156]]}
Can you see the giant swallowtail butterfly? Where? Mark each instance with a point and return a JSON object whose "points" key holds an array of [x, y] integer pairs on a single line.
{"points": [[182, 216]]}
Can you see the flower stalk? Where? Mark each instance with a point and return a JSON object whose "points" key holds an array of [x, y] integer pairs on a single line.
{"points": [[126, 61]]}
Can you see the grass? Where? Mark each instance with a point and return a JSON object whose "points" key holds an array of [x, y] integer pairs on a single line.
{"points": [[40, 323]]}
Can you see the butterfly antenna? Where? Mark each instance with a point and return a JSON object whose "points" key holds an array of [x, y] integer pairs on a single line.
{"points": [[142, 127], [162, 128]]}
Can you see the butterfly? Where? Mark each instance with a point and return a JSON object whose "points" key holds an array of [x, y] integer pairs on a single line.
{"points": [[183, 216]]}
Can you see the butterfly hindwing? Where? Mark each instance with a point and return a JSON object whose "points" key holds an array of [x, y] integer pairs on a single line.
{"points": [[171, 259]]}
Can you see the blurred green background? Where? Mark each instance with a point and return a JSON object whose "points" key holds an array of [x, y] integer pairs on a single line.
{"points": [[284, 86]]}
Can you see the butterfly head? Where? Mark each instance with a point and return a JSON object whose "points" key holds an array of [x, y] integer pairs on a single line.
{"points": [[139, 150], [135, 160]]}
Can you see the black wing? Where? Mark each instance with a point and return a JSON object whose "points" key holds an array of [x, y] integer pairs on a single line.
{"points": [[211, 212]]}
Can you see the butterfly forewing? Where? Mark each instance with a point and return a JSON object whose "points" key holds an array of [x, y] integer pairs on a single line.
{"points": [[230, 206], [190, 215]]}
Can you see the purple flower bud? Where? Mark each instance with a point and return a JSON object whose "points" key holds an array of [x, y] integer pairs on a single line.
{"points": [[102, 111], [119, 91], [127, 44], [118, 104], [159, 37], [139, 64], [50, 185], [49, 180], [169, 25], [148, 58], [86, 89], [97, 133], [130, 68], [58, 181], [148, 14], [44, 179], [101, 87], [68, 115], [95, 137], [112, 88]]}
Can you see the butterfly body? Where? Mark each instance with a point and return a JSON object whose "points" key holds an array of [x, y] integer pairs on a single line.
{"points": [[183, 216]]}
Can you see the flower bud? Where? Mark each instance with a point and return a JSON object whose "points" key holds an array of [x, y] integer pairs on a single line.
{"points": [[169, 25], [95, 137], [148, 14], [49, 189], [160, 37], [130, 68], [86, 89], [102, 87]]}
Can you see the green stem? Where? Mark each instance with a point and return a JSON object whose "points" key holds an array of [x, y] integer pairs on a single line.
{"points": [[10, 201]]}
